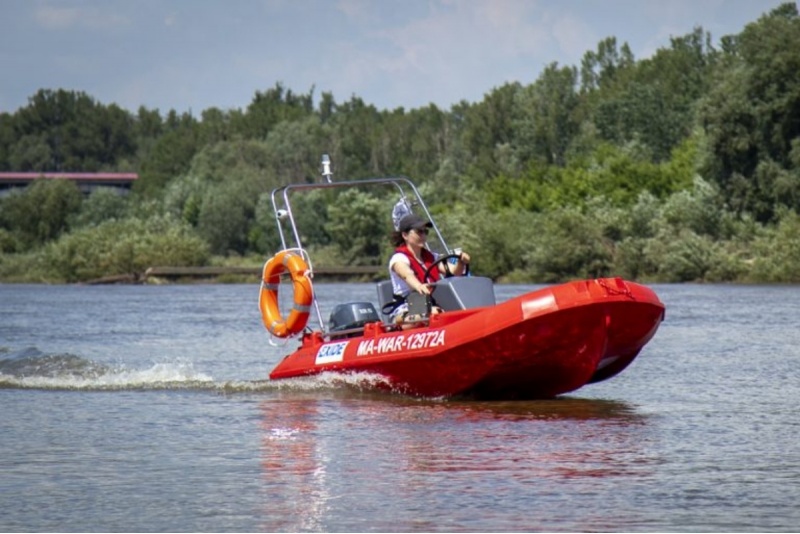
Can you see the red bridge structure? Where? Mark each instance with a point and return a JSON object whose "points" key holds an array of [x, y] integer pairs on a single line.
{"points": [[86, 181]]}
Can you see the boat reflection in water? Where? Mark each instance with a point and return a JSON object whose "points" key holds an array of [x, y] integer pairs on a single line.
{"points": [[323, 457]]}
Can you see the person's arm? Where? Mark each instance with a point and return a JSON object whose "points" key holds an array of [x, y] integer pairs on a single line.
{"points": [[407, 275]]}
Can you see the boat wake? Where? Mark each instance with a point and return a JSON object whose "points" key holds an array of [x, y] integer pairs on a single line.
{"points": [[32, 369], [358, 381]]}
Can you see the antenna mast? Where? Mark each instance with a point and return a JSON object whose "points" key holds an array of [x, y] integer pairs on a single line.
{"points": [[326, 168]]}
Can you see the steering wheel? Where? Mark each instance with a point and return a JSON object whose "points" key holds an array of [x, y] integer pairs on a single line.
{"points": [[443, 259]]}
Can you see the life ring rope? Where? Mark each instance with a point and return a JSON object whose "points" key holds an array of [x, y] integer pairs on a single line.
{"points": [[296, 320]]}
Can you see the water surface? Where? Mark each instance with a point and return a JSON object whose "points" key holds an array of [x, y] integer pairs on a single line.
{"points": [[147, 408]]}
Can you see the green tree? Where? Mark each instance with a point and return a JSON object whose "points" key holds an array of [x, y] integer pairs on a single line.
{"points": [[567, 244], [497, 241], [750, 114], [32, 153], [353, 228], [7, 138], [601, 68], [127, 246], [356, 136], [79, 134], [293, 149], [170, 155], [42, 211], [488, 125], [681, 256], [652, 102], [101, 205], [271, 107], [545, 120], [777, 252]]}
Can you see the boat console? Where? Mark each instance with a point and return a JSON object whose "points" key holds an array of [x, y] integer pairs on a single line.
{"points": [[464, 292], [450, 294]]}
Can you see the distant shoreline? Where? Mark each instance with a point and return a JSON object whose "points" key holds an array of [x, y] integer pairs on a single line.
{"points": [[229, 274]]}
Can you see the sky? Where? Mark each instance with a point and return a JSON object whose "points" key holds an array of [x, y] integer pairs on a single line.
{"points": [[192, 55]]}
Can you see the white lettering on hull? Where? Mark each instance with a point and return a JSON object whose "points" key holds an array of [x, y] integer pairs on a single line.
{"points": [[401, 342]]}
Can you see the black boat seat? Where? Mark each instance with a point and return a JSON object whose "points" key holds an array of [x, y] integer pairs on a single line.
{"points": [[385, 296]]}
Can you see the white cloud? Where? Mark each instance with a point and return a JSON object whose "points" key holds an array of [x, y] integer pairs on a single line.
{"points": [[185, 54], [358, 11], [57, 17]]}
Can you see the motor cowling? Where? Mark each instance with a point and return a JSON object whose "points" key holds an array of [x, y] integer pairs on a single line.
{"points": [[351, 315]]}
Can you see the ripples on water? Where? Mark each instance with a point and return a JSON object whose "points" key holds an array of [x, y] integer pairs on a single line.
{"points": [[148, 409]]}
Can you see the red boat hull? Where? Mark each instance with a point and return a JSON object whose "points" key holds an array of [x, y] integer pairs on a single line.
{"points": [[538, 345]]}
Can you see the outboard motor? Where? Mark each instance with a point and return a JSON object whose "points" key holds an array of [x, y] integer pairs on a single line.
{"points": [[350, 316]]}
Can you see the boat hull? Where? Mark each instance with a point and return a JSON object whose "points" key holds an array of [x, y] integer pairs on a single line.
{"points": [[537, 345]]}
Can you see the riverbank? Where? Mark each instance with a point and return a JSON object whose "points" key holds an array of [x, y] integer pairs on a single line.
{"points": [[231, 274]]}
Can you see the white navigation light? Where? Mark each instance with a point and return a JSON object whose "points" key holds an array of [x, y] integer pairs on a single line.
{"points": [[326, 168]]}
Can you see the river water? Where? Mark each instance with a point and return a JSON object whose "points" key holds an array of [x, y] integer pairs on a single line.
{"points": [[147, 408]]}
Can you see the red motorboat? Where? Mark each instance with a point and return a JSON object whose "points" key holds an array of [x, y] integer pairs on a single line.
{"points": [[538, 345]]}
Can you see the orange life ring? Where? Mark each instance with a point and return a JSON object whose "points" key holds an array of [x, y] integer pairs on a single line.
{"points": [[268, 298]]}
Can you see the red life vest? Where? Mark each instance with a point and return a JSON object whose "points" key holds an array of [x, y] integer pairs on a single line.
{"points": [[419, 270]]}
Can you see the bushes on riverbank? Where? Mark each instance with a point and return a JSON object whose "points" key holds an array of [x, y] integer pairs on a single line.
{"points": [[690, 237], [114, 247]]}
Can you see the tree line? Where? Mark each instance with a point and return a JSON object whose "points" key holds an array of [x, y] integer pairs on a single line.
{"points": [[684, 166]]}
